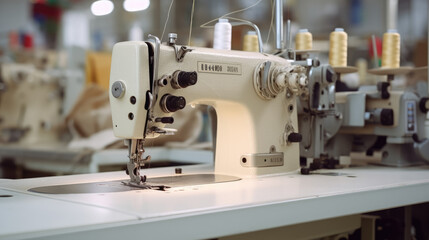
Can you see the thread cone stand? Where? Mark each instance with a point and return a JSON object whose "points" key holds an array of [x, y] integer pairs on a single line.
{"points": [[344, 70], [390, 71]]}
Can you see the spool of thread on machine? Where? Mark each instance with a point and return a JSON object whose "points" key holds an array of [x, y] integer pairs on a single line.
{"points": [[391, 49], [303, 40], [222, 34], [338, 48], [251, 42]]}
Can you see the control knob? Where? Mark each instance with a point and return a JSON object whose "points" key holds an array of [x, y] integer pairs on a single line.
{"points": [[170, 103], [182, 79]]}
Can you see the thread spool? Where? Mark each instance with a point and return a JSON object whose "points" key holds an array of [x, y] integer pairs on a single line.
{"points": [[222, 35], [303, 40], [251, 42], [391, 49], [135, 33], [338, 48]]}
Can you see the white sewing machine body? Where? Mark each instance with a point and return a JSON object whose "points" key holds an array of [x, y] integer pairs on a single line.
{"points": [[252, 132]]}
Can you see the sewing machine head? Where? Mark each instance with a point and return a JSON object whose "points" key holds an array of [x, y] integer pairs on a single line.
{"points": [[254, 95]]}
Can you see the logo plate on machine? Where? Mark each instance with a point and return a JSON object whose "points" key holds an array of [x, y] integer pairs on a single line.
{"points": [[219, 68], [262, 160]]}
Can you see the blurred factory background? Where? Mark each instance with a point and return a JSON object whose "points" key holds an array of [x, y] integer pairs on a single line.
{"points": [[55, 61]]}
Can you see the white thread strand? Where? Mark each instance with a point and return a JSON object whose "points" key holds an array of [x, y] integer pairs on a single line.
{"points": [[242, 10], [204, 25], [166, 21], [222, 35], [190, 25], [271, 23]]}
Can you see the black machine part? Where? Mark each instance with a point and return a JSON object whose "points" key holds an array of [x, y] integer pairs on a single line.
{"points": [[182, 79], [383, 88], [170, 103], [294, 137], [383, 116], [424, 104]]}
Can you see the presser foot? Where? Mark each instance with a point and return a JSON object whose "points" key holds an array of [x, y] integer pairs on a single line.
{"points": [[137, 180], [133, 170], [144, 185]]}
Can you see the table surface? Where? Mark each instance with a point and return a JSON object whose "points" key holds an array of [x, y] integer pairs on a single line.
{"points": [[204, 211]]}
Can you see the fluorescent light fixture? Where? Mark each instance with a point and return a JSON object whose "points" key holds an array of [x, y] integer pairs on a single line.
{"points": [[136, 5], [102, 7]]}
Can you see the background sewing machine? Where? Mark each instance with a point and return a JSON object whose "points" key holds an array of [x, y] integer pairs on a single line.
{"points": [[254, 95], [390, 125], [372, 120], [30, 105]]}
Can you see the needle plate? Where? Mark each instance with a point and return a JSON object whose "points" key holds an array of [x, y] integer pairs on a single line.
{"points": [[159, 183]]}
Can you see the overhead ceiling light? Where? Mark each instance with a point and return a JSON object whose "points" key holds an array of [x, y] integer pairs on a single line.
{"points": [[136, 5], [102, 7]]}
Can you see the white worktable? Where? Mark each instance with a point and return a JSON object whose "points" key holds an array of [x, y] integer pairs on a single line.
{"points": [[205, 211]]}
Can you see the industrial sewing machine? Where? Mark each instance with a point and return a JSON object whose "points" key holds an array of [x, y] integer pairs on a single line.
{"points": [[254, 95], [30, 105], [372, 119], [390, 122]]}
